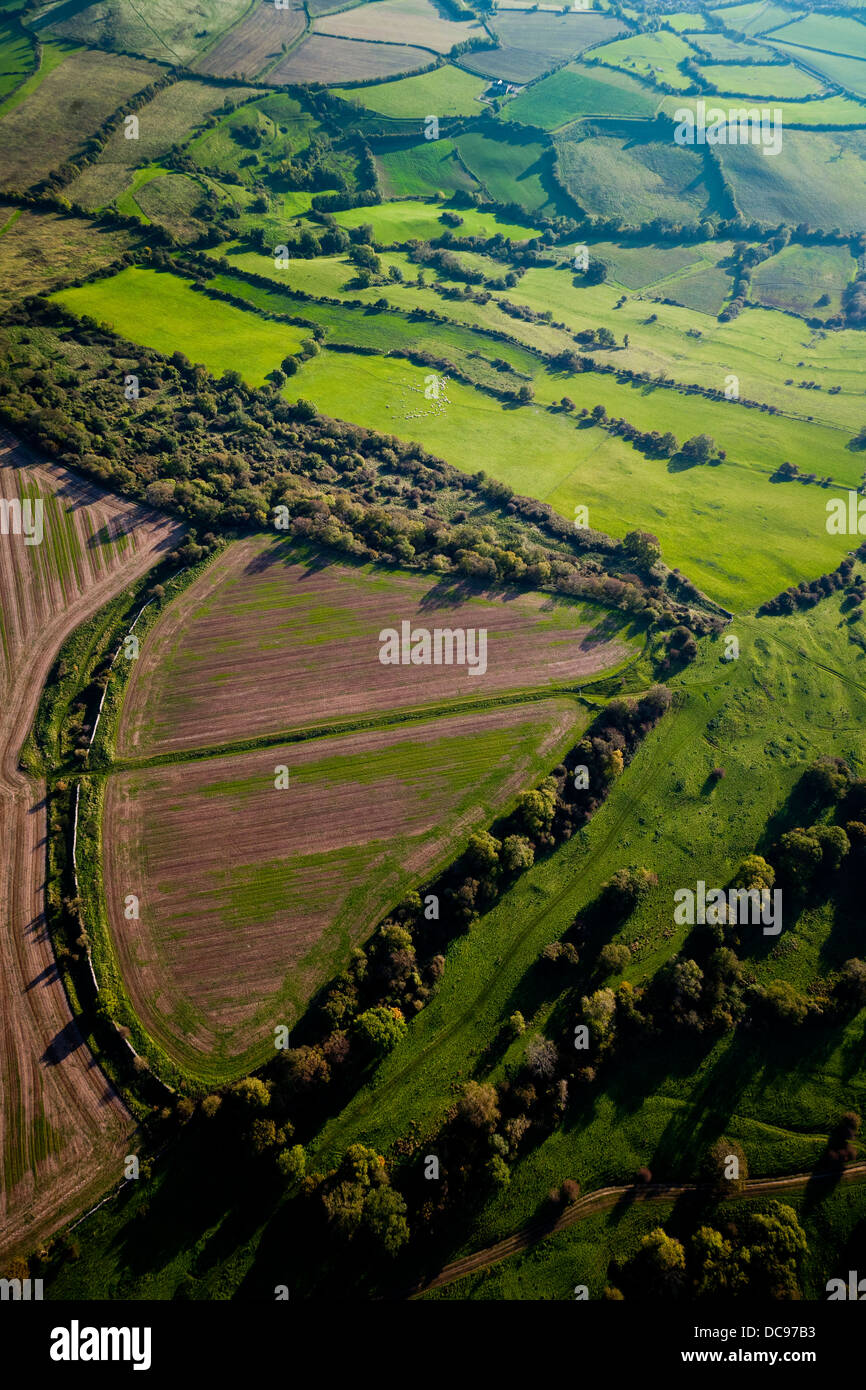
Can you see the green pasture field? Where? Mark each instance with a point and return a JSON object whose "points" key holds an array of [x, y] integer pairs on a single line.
{"points": [[771, 80], [17, 58], [171, 200], [800, 276], [392, 332], [828, 33], [756, 17], [451, 782], [279, 125], [446, 91], [169, 119], [331, 276], [398, 222], [766, 349], [514, 168], [688, 21], [165, 312], [53, 54], [634, 178], [575, 92], [847, 72], [724, 50], [584, 1252], [704, 517], [635, 267], [652, 55], [817, 177], [765, 717], [60, 111], [833, 111], [159, 29], [422, 167]]}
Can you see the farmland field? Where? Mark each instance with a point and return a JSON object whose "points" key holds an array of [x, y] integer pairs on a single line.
{"points": [[445, 468], [419, 167], [322, 58], [774, 80], [254, 638], [796, 186], [291, 876], [802, 278], [633, 177], [576, 92], [159, 29], [447, 91], [400, 21], [170, 119], [164, 312], [656, 56], [63, 1131], [56, 118], [532, 44], [254, 43]]}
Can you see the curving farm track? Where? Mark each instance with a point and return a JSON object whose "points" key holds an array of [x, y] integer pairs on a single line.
{"points": [[604, 1199], [63, 1129]]}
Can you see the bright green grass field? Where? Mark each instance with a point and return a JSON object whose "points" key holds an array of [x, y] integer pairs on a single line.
{"points": [[576, 92], [652, 55], [445, 91], [847, 72], [688, 21], [771, 80], [801, 275], [764, 717], [834, 111], [430, 166], [166, 313], [513, 170], [706, 518], [827, 33], [17, 58], [393, 223], [763, 348]]}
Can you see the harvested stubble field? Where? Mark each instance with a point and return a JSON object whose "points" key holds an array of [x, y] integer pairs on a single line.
{"points": [[170, 119], [401, 21], [63, 111], [534, 43], [267, 641], [63, 1130], [321, 58], [255, 42], [252, 896]]}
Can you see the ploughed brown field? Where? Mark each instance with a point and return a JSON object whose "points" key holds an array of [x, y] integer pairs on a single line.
{"points": [[251, 896], [263, 644], [254, 42], [63, 1130]]}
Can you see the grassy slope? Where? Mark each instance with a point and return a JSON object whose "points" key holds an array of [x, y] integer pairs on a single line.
{"points": [[766, 716]]}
